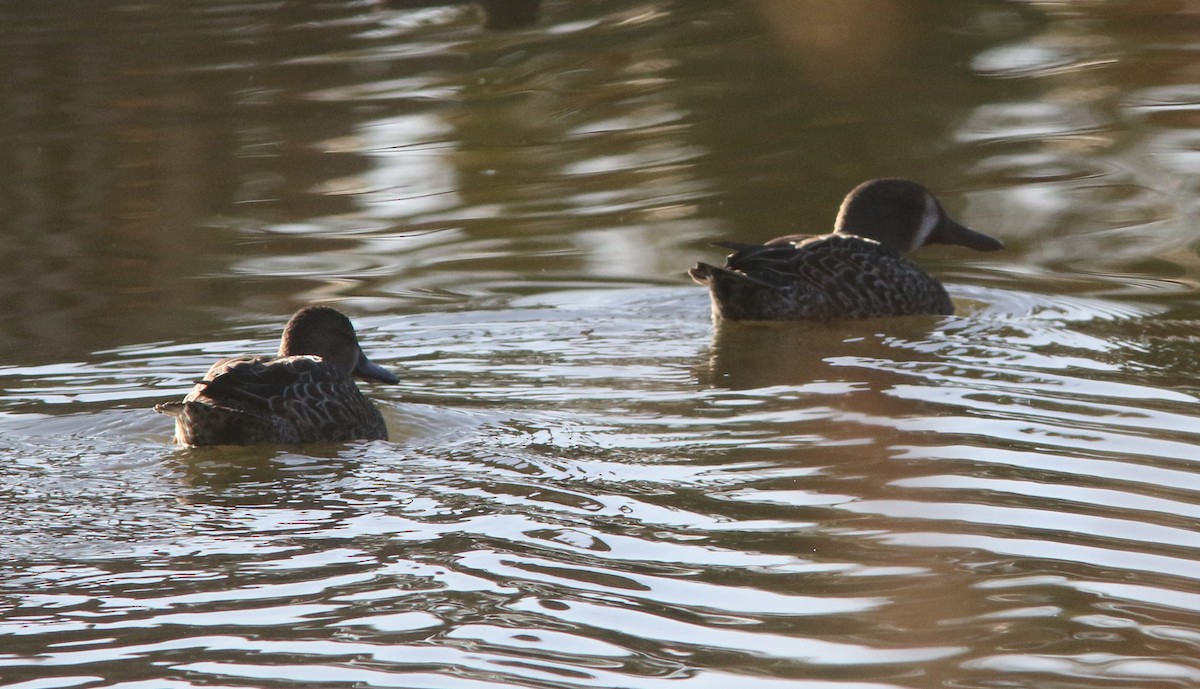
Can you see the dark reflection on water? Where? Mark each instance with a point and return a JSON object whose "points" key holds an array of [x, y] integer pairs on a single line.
{"points": [[589, 484]]}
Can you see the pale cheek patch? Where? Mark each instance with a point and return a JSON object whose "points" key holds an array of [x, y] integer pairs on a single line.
{"points": [[929, 220]]}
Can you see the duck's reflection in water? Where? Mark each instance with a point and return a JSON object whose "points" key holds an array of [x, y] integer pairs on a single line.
{"points": [[758, 354]]}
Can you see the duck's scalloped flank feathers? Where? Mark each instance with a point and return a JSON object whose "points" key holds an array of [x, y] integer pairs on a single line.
{"points": [[835, 277], [297, 398], [859, 271]]}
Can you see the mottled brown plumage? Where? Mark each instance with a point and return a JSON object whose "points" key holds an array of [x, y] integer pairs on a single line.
{"points": [[858, 271], [304, 394]]}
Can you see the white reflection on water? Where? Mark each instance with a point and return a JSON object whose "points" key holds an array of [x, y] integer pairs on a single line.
{"points": [[415, 173], [566, 494], [724, 635], [588, 484]]}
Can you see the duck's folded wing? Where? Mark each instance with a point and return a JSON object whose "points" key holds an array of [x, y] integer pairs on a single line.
{"points": [[250, 383], [755, 252], [765, 264]]}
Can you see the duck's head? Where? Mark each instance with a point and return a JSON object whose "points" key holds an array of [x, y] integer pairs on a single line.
{"points": [[904, 216], [327, 333]]}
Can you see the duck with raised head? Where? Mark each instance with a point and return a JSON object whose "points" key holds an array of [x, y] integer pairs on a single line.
{"points": [[857, 271], [304, 394]]}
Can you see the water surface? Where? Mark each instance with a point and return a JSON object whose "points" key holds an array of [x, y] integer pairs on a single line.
{"points": [[588, 484]]}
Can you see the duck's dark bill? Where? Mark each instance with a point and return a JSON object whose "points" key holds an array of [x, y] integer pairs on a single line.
{"points": [[950, 232], [369, 370]]}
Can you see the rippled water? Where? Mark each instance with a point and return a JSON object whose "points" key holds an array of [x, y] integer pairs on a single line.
{"points": [[589, 484]]}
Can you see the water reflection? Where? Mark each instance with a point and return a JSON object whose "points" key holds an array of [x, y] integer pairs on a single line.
{"points": [[319, 126], [588, 484], [497, 14]]}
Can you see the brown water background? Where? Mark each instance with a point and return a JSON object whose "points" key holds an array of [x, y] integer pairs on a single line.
{"points": [[588, 486]]}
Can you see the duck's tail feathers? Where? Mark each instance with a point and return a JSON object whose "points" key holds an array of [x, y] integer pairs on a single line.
{"points": [[169, 408], [711, 276]]}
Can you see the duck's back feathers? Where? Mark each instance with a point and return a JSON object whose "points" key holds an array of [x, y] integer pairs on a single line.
{"points": [[294, 399], [826, 277]]}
